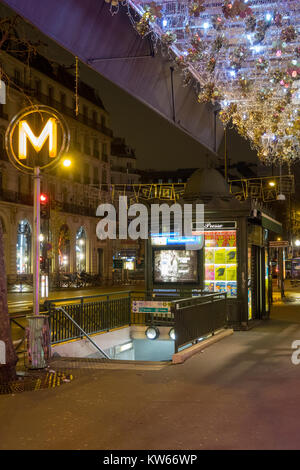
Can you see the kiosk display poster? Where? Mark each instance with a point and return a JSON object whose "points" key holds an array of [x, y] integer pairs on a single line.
{"points": [[175, 266], [221, 261], [249, 285]]}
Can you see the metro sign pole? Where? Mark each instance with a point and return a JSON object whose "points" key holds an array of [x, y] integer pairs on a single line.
{"points": [[16, 137], [36, 240]]}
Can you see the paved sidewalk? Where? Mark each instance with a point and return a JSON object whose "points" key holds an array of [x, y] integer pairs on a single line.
{"points": [[22, 301], [241, 393]]}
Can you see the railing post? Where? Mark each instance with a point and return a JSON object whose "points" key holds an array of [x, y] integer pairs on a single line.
{"points": [[81, 316], [107, 313], [129, 308]]}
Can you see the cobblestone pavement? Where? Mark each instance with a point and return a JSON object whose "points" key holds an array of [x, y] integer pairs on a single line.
{"points": [[241, 393]]}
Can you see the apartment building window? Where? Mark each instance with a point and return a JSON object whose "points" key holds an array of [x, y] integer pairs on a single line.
{"points": [[87, 148], [96, 148], [86, 173], [85, 111], [63, 99], [96, 175], [50, 94], [17, 77], [104, 152], [95, 116], [103, 121], [74, 106], [38, 88], [77, 143], [104, 178]]}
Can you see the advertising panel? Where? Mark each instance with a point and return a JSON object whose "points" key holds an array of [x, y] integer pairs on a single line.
{"points": [[221, 261], [175, 266]]}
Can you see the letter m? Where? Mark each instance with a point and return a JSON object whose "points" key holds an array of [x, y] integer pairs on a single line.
{"points": [[49, 130], [165, 211], [2, 353]]}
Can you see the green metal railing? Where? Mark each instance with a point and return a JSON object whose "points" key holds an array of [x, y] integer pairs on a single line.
{"points": [[191, 315], [196, 317], [94, 314]]}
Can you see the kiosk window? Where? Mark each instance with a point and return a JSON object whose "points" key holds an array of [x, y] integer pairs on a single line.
{"points": [[221, 262]]}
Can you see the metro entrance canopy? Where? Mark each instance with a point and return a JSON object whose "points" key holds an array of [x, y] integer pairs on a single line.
{"points": [[110, 45]]}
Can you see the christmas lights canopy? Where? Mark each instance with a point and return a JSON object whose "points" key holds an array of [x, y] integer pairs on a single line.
{"points": [[243, 55]]}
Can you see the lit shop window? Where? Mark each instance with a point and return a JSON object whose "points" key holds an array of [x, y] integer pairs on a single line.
{"points": [[64, 249], [221, 262], [24, 248], [81, 250]]}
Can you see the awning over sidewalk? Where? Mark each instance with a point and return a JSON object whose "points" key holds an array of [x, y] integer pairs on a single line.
{"points": [[113, 48], [271, 224]]}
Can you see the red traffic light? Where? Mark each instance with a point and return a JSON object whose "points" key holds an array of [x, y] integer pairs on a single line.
{"points": [[43, 198]]}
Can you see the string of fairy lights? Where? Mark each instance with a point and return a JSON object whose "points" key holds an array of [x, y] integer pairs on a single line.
{"points": [[242, 55]]}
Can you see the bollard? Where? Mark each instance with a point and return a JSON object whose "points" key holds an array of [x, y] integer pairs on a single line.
{"points": [[38, 341]]}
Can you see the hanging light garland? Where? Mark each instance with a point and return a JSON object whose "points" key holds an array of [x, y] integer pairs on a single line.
{"points": [[76, 86], [242, 54]]}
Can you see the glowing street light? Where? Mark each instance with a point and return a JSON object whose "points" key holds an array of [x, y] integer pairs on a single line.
{"points": [[67, 163]]}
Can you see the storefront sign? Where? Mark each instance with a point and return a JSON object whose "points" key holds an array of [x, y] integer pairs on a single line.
{"points": [[149, 306], [174, 240], [279, 244], [216, 226]]}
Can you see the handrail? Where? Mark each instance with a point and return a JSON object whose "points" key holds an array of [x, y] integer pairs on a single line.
{"points": [[83, 297], [199, 299], [83, 332]]}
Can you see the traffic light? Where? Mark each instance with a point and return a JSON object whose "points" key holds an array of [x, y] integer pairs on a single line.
{"points": [[43, 263], [45, 206]]}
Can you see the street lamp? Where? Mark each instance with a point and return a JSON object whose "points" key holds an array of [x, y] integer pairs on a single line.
{"points": [[67, 162]]}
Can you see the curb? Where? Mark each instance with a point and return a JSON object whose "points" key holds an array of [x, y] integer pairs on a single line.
{"points": [[182, 356]]}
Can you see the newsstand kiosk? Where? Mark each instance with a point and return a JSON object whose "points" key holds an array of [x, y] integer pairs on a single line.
{"points": [[234, 258]]}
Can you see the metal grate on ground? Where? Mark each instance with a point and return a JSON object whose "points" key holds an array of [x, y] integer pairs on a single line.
{"points": [[36, 381]]}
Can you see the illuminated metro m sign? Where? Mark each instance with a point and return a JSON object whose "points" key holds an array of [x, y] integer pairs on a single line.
{"points": [[49, 131], [42, 127]]}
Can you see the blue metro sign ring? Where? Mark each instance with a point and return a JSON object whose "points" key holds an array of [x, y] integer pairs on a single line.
{"points": [[37, 137]]}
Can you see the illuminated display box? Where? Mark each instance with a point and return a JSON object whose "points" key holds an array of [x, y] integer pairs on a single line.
{"points": [[220, 255]]}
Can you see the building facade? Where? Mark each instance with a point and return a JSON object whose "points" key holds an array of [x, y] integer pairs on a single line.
{"points": [[68, 240], [123, 163]]}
